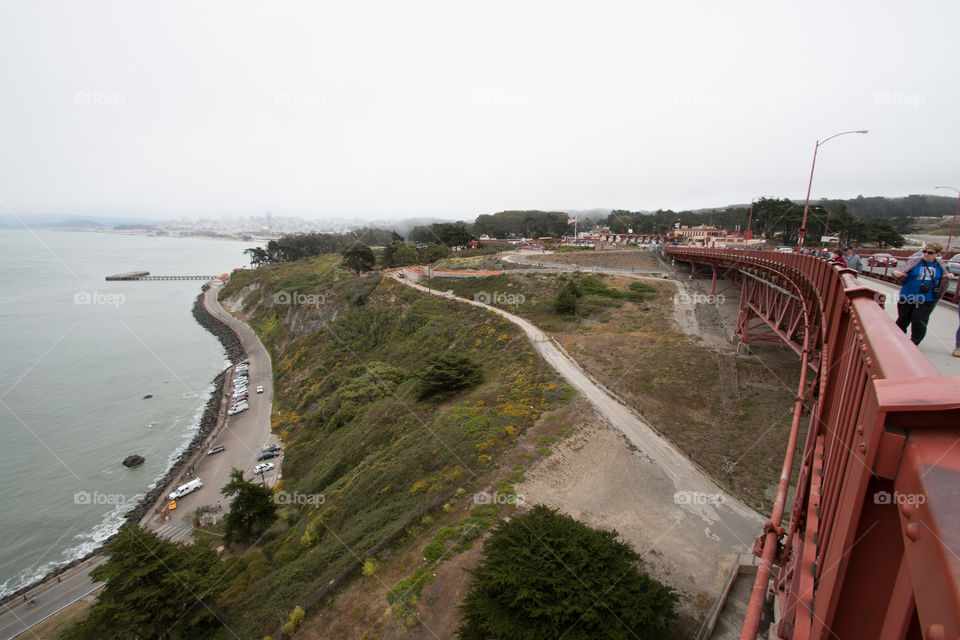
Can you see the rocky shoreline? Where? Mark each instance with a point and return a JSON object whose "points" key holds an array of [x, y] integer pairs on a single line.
{"points": [[208, 421]]}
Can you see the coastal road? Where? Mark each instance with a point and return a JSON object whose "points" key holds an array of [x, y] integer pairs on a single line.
{"points": [[707, 526], [52, 596], [242, 435]]}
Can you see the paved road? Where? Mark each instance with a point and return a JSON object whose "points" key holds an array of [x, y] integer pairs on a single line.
{"points": [[706, 523], [242, 435], [16, 617]]}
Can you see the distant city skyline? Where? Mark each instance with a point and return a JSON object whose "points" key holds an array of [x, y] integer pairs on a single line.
{"points": [[435, 109]]}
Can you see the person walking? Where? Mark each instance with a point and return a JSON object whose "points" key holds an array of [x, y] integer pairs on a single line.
{"points": [[918, 295], [853, 260], [956, 352]]}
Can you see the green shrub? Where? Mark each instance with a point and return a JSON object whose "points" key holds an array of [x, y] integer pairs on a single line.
{"points": [[545, 575], [451, 373]]}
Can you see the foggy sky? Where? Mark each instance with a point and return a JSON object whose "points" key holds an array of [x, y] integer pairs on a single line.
{"points": [[453, 109]]}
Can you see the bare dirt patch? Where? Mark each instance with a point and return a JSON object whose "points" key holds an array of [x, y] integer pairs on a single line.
{"points": [[614, 259], [729, 413]]}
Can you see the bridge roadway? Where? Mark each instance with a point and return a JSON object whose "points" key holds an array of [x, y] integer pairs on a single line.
{"points": [[939, 343]]}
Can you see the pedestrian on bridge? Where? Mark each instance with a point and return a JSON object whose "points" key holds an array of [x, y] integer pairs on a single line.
{"points": [[922, 286], [853, 260]]}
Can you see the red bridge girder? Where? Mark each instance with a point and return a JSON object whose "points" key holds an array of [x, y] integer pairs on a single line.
{"points": [[872, 547]]}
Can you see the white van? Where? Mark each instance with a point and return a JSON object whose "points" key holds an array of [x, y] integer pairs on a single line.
{"points": [[184, 489]]}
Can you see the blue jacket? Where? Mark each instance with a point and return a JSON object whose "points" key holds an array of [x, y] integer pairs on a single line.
{"points": [[919, 272]]}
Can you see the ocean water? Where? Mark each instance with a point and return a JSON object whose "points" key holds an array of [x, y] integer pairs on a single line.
{"points": [[77, 356]]}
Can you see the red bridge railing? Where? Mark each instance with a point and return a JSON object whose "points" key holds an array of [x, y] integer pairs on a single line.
{"points": [[872, 545]]}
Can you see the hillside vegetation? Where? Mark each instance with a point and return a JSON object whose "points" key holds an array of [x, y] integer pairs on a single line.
{"points": [[369, 457]]}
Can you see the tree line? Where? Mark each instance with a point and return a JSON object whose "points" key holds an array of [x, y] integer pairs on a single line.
{"points": [[773, 217], [858, 221]]}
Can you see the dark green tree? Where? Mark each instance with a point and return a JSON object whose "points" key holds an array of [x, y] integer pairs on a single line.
{"points": [[449, 234], [251, 512], [359, 258], [398, 254], [448, 375], [433, 252], [567, 298], [545, 575], [154, 589]]}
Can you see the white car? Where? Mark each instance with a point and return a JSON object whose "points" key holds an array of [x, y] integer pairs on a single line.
{"points": [[263, 467], [184, 489], [260, 388]]}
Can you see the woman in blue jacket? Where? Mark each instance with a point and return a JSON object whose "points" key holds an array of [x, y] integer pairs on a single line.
{"points": [[917, 298]]}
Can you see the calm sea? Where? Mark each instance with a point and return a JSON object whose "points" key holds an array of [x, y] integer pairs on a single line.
{"points": [[77, 356]]}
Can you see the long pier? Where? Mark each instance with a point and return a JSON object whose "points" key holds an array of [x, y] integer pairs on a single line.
{"points": [[145, 275]]}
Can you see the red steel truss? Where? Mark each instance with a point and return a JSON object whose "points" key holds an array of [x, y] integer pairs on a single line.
{"points": [[872, 546]]}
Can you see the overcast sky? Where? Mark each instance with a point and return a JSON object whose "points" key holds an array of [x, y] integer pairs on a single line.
{"points": [[452, 109]]}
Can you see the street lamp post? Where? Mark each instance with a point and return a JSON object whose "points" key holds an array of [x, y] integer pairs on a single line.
{"points": [[802, 231], [955, 210]]}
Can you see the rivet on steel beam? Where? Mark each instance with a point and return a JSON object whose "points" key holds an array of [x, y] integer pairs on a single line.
{"points": [[908, 509], [913, 532], [863, 447], [860, 429], [936, 632]]}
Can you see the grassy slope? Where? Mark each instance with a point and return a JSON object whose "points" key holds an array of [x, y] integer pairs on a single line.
{"points": [[727, 413], [346, 406]]}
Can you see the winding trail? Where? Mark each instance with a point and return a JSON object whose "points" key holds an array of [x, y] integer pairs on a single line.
{"points": [[687, 515]]}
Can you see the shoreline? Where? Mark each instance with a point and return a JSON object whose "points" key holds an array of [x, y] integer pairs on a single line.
{"points": [[208, 422]]}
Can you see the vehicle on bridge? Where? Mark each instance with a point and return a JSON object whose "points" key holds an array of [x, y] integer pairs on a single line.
{"points": [[881, 260]]}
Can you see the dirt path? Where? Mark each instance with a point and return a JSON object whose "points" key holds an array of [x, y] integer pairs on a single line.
{"points": [[686, 518]]}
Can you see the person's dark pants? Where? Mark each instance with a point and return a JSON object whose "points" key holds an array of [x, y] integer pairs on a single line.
{"points": [[958, 328], [915, 315]]}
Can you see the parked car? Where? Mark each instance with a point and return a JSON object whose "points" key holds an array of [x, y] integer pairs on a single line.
{"points": [[953, 265], [260, 388], [784, 250], [881, 260], [266, 455], [217, 448], [184, 489], [263, 467]]}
